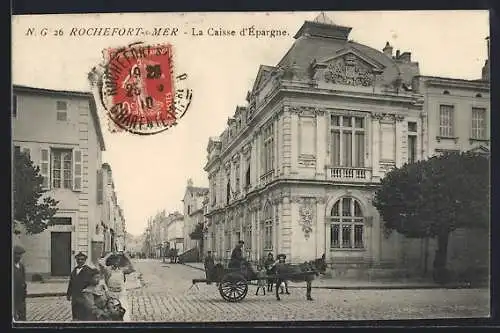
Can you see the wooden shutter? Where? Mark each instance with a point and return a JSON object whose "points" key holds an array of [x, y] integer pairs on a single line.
{"points": [[77, 170], [45, 167], [100, 188]]}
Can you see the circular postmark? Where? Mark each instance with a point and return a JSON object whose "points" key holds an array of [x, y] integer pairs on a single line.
{"points": [[137, 87]]}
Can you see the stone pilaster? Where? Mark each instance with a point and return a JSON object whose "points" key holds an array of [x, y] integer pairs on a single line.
{"points": [[286, 143], [294, 143], [398, 145], [321, 143], [375, 145]]}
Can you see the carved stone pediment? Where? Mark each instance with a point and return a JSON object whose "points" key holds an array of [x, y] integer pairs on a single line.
{"points": [[350, 68]]}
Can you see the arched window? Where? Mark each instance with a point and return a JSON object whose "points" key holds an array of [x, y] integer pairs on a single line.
{"points": [[268, 228], [346, 224], [446, 92], [479, 95]]}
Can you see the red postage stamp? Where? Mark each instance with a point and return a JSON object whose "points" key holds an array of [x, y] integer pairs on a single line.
{"points": [[139, 90]]}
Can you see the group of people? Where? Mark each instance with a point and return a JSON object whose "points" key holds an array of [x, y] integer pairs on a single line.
{"points": [[262, 270], [96, 293], [100, 294]]}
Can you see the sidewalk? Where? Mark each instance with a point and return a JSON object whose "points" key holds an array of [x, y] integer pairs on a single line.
{"points": [[57, 288], [343, 283]]}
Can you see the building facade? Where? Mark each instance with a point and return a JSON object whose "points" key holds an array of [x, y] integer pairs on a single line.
{"points": [[295, 170], [60, 131], [175, 231], [193, 212], [110, 230]]}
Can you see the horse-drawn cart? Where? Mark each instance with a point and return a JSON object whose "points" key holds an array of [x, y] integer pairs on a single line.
{"points": [[233, 282]]}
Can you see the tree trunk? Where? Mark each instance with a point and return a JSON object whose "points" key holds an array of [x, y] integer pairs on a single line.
{"points": [[439, 273], [426, 254]]}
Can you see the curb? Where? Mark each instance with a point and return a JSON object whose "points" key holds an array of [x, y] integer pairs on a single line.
{"points": [[36, 295], [380, 287]]}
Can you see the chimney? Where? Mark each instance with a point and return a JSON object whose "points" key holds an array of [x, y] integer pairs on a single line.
{"points": [[397, 54], [485, 72], [387, 49], [488, 45]]}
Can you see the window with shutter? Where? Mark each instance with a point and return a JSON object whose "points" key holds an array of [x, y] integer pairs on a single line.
{"points": [[27, 152], [77, 170], [45, 168], [100, 188]]}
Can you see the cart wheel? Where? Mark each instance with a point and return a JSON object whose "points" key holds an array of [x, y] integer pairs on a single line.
{"points": [[233, 287]]}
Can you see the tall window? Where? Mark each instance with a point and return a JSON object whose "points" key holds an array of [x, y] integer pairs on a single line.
{"points": [[237, 177], [412, 142], [247, 175], [446, 120], [268, 228], [348, 141], [14, 106], [61, 168], [62, 110], [227, 240], [268, 150], [228, 191], [213, 189], [346, 225], [478, 123]]}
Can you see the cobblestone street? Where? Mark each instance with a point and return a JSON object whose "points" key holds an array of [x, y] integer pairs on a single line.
{"points": [[167, 297]]}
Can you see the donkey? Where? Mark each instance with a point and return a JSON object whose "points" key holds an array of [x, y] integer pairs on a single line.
{"points": [[298, 273]]}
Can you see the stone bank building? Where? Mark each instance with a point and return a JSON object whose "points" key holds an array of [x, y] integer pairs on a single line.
{"points": [[296, 169]]}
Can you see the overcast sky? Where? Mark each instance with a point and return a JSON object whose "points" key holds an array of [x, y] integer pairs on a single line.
{"points": [[150, 173]]}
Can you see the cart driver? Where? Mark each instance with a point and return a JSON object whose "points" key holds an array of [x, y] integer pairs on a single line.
{"points": [[237, 256]]}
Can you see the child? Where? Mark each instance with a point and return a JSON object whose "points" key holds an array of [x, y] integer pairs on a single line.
{"points": [[261, 274]]}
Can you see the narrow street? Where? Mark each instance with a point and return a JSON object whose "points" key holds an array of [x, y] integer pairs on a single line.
{"points": [[167, 297]]}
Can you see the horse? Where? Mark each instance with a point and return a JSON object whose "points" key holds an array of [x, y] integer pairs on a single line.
{"points": [[304, 272]]}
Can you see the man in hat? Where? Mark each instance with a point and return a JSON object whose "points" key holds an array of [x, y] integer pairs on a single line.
{"points": [[237, 255], [19, 285], [209, 264], [79, 280]]}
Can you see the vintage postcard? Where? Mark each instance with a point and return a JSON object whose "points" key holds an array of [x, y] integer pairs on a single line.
{"points": [[263, 167]]}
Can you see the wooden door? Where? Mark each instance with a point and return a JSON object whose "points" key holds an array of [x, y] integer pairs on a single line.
{"points": [[60, 253]]}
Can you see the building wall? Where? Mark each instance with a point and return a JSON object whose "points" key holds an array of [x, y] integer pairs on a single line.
{"points": [[463, 96], [36, 127]]}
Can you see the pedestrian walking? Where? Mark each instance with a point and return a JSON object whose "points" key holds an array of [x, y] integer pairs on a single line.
{"points": [[115, 267], [79, 279], [209, 266], [262, 281], [19, 285]]}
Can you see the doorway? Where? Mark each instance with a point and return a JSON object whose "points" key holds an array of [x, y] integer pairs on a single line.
{"points": [[60, 253]]}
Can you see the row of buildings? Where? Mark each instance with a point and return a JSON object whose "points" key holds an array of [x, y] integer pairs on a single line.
{"points": [[295, 169], [61, 133], [172, 231]]}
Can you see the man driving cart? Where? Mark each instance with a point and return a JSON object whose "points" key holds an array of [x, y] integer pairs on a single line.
{"points": [[237, 256]]}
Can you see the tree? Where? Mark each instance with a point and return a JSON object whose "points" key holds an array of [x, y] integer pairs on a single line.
{"points": [[197, 234], [434, 197], [30, 209]]}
